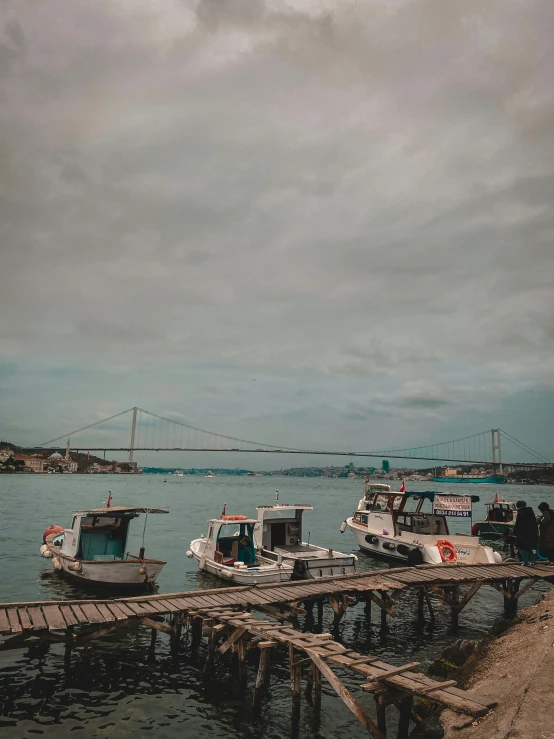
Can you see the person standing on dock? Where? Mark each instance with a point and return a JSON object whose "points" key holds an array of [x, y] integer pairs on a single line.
{"points": [[546, 532], [526, 531]]}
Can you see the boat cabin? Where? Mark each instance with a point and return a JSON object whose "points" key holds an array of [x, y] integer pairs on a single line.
{"points": [[388, 511], [231, 539], [280, 527], [501, 512], [100, 534]]}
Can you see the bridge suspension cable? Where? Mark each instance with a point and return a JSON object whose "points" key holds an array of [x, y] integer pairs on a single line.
{"points": [[151, 431]]}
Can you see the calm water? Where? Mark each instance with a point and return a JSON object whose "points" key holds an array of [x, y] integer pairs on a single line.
{"points": [[123, 688]]}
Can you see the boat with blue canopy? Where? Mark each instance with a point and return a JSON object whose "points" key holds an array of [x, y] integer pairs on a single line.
{"points": [[398, 526]]}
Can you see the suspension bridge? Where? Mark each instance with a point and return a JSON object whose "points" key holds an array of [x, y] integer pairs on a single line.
{"points": [[152, 432]]}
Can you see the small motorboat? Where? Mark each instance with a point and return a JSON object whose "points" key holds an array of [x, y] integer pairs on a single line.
{"points": [[268, 548], [279, 535], [499, 521], [93, 550], [386, 529], [229, 552]]}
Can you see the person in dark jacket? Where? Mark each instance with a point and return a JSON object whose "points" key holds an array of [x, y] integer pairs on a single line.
{"points": [[546, 532], [526, 531]]}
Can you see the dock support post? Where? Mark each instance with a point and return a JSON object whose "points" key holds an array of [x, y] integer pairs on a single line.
{"points": [[381, 715], [241, 654], [429, 605], [511, 599], [295, 677], [405, 707], [455, 599], [383, 613], [316, 676], [420, 601], [68, 644], [367, 610], [177, 626], [153, 636], [320, 612], [263, 674]]}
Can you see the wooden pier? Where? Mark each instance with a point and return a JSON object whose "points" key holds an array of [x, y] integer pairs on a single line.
{"points": [[238, 619]]}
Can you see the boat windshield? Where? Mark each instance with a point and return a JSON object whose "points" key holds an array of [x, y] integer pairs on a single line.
{"points": [[103, 537], [500, 513], [235, 543]]}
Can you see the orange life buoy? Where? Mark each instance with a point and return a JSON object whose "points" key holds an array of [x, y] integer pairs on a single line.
{"points": [[447, 551], [234, 518]]}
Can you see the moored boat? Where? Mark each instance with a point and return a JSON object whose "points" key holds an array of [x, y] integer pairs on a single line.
{"points": [[499, 521], [384, 528], [229, 551], [93, 550], [268, 548], [279, 534]]}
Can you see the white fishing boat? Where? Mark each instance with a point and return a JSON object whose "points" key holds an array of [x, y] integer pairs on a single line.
{"points": [[268, 548], [210, 474], [278, 534], [93, 550], [384, 528], [229, 552]]}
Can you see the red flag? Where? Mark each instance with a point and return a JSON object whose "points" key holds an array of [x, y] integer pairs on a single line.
{"points": [[109, 501], [403, 487], [224, 511], [496, 497]]}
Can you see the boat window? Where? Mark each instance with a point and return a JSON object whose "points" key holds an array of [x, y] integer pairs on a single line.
{"points": [[235, 541], [380, 503], [211, 532]]}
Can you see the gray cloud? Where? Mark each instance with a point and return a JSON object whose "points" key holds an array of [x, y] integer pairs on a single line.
{"points": [[356, 198]]}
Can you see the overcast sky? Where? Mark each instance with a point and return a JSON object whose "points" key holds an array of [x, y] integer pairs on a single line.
{"points": [[310, 222]]}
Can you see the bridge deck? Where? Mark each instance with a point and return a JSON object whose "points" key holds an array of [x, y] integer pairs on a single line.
{"points": [[18, 618]]}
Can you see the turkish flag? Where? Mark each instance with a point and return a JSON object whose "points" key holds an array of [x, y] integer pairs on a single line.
{"points": [[403, 487]]}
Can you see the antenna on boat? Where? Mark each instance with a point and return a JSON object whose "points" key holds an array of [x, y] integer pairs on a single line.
{"points": [[141, 553]]}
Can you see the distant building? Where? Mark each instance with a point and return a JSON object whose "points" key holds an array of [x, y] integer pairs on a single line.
{"points": [[385, 466], [33, 463]]}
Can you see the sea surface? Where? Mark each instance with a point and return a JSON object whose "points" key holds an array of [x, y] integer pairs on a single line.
{"points": [[122, 688]]}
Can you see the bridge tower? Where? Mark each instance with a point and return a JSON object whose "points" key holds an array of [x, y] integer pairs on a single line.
{"points": [[133, 430], [496, 450]]}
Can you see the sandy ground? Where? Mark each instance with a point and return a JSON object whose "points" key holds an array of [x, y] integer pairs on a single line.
{"points": [[517, 671]]}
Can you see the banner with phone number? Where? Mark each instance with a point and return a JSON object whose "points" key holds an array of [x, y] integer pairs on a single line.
{"points": [[452, 505]]}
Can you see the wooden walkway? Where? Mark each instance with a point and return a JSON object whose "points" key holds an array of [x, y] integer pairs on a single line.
{"points": [[227, 617], [382, 586]]}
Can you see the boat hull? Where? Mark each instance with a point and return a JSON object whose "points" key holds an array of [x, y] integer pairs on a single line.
{"points": [[490, 480], [265, 573], [402, 549], [117, 573], [496, 530]]}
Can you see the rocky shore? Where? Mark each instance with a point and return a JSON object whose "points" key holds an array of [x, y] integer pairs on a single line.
{"points": [[516, 669]]}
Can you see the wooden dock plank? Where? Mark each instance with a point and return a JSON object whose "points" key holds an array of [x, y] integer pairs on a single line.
{"points": [[124, 607], [105, 612], [78, 613], [13, 618], [157, 606], [69, 616], [24, 619], [5, 627], [92, 613], [37, 618], [117, 611], [54, 618], [169, 606]]}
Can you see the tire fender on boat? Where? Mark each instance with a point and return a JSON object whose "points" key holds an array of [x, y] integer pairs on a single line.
{"points": [[56, 562], [75, 567], [190, 555], [45, 552]]}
